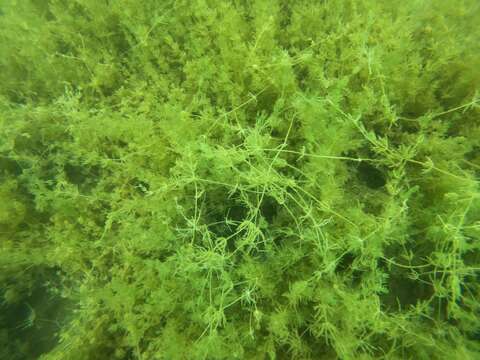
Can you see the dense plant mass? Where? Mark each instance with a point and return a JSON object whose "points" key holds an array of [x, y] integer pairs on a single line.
{"points": [[244, 179]]}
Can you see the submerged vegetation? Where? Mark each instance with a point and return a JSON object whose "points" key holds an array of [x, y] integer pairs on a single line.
{"points": [[244, 179]]}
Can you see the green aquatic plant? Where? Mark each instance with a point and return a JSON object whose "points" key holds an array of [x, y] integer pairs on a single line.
{"points": [[261, 179]]}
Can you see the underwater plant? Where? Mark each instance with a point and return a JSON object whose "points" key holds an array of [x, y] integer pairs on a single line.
{"points": [[239, 179]]}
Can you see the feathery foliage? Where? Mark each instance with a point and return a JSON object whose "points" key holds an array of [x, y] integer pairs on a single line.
{"points": [[244, 179]]}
